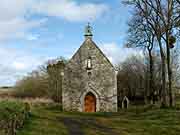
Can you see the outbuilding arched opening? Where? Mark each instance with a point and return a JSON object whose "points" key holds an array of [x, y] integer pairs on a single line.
{"points": [[125, 103]]}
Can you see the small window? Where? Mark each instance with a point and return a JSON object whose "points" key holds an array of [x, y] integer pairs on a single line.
{"points": [[89, 63], [89, 74]]}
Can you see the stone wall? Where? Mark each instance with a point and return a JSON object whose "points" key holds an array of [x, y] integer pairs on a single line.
{"points": [[100, 80]]}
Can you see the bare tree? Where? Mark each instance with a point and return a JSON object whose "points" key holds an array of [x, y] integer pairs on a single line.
{"points": [[131, 79], [140, 35], [163, 17]]}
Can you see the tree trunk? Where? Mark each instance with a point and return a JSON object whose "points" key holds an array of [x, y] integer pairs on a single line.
{"points": [[151, 73], [168, 34], [169, 73], [163, 75]]}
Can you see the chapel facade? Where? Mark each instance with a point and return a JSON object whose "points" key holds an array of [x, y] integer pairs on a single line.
{"points": [[89, 80]]}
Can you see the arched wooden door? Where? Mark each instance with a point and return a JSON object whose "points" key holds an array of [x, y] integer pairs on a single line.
{"points": [[90, 102]]}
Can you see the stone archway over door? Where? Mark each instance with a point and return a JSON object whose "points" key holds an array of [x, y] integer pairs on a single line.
{"points": [[90, 102]]}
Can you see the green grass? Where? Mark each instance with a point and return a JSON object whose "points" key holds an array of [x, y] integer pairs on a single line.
{"points": [[10, 108], [154, 121], [43, 122]]}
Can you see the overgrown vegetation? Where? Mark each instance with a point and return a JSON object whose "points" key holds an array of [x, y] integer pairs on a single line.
{"points": [[33, 86], [44, 82], [147, 120], [12, 116]]}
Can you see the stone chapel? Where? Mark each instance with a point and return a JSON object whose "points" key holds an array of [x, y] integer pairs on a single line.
{"points": [[89, 80]]}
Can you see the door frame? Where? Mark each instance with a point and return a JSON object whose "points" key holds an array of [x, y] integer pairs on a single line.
{"points": [[82, 109]]}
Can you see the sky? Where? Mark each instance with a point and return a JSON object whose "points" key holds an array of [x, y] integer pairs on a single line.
{"points": [[34, 31]]}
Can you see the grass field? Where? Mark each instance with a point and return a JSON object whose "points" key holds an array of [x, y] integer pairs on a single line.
{"points": [[49, 120]]}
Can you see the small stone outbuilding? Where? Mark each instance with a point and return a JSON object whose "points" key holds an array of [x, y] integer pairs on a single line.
{"points": [[89, 83], [125, 103]]}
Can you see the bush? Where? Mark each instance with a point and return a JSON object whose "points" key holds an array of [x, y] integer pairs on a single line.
{"points": [[32, 86], [54, 107], [12, 116], [45, 82]]}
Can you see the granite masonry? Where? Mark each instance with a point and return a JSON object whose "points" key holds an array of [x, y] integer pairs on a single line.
{"points": [[89, 80]]}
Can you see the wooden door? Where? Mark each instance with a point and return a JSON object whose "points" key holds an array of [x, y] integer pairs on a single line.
{"points": [[90, 103]]}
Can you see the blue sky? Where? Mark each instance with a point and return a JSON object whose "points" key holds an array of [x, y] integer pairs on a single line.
{"points": [[33, 31]]}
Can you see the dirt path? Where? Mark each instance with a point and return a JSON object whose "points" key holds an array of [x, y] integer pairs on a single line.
{"points": [[75, 126]]}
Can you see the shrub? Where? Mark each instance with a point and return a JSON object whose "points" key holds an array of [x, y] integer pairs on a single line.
{"points": [[32, 86], [12, 116]]}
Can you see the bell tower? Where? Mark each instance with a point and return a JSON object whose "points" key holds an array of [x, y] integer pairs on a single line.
{"points": [[88, 31]]}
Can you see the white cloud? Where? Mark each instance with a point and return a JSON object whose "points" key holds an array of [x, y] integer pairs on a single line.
{"points": [[17, 22], [117, 53], [13, 19], [10, 9], [14, 13], [17, 28], [15, 63], [19, 65], [71, 10]]}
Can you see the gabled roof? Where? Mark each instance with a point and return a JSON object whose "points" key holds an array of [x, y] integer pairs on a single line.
{"points": [[90, 41]]}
